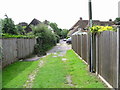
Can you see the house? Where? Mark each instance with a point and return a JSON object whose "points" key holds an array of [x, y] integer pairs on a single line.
{"points": [[34, 22], [81, 25]]}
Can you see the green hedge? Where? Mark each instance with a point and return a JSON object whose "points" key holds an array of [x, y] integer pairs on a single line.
{"points": [[5, 35]]}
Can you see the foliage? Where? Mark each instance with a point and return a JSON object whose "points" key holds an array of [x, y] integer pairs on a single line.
{"points": [[45, 38], [98, 29], [6, 35], [117, 21], [1, 26], [8, 26], [57, 38], [20, 29], [54, 26], [64, 33]]}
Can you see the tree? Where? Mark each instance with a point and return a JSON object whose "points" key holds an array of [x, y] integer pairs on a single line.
{"points": [[8, 26], [54, 26], [20, 29], [64, 33], [117, 21], [45, 38]]}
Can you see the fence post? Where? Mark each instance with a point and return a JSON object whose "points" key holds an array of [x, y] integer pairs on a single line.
{"points": [[118, 57], [97, 46], [94, 53]]}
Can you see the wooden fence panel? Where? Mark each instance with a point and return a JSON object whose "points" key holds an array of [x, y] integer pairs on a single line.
{"points": [[14, 49], [84, 47], [108, 57], [9, 51], [106, 53]]}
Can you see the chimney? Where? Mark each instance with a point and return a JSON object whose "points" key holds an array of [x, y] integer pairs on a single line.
{"points": [[80, 18]]}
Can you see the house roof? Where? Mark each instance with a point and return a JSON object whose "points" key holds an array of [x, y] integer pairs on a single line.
{"points": [[33, 22], [84, 24]]}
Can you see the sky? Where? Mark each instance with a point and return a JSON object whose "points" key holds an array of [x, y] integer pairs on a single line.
{"points": [[63, 12]]}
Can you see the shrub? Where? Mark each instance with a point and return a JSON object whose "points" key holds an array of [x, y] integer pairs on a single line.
{"points": [[98, 29], [45, 38], [64, 33], [6, 35], [20, 30]]}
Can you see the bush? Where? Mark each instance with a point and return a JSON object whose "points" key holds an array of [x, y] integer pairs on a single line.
{"points": [[45, 38], [6, 35], [64, 33], [98, 29]]}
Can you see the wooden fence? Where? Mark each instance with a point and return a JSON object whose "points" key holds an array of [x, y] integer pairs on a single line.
{"points": [[106, 62], [14, 49]]}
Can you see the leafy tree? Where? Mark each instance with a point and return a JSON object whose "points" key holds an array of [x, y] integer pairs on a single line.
{"points": [[117, 21], [45, 38], [8, 26], [64, 33], [20, 29], [0, 25], [54, 26]]}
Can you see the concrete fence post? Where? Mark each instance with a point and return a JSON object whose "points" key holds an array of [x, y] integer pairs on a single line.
{"points": [[118, 57], [97, 53]]}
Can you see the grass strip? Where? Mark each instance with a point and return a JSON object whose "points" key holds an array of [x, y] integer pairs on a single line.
{"points": [[78, 70], [16, 74], [52, 74]]}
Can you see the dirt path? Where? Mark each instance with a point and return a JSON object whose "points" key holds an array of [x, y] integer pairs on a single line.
{"points": [[61, 47]]}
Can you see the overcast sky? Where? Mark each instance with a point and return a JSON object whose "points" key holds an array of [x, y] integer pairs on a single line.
{"points": [[64, 12]]}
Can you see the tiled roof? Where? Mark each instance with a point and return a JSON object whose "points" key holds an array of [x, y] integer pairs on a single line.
{"points": [[85, 23]]}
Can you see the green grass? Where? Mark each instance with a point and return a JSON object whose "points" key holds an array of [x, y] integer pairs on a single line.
{"points": [[16, 74], [81, 77], [52, 74]]}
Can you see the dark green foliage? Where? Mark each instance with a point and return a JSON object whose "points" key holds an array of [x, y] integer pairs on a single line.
{"points": [[64, 33], [8, 26], [117, 21], [45, 38], [58, 38], [54, 26], [20, 29]]}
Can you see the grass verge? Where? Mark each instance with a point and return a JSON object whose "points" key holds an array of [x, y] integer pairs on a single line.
{"points": [[81, 77], [16, 74]]}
